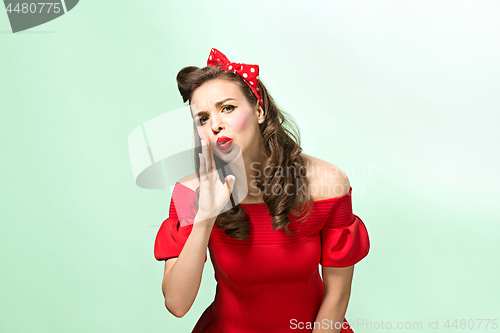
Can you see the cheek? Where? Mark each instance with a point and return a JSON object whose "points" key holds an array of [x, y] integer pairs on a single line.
{"points": [[238, 124]]}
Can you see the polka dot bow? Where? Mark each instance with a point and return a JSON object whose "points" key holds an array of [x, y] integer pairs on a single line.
{"points": [[249, 73]]}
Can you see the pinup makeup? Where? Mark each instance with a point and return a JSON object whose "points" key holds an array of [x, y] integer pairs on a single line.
{"points": [[224, 142]]}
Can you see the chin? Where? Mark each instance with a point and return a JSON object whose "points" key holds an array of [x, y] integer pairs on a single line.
{"points": [[230, 154]]}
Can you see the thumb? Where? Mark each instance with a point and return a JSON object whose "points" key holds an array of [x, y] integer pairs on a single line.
{"points": [[230, 180]]}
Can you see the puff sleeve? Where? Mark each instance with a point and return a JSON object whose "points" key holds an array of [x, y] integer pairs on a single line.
{"points": [[175, 230], [344, 237]]}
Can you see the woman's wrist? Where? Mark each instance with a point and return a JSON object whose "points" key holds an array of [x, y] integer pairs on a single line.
{"points": [[204, 220]]}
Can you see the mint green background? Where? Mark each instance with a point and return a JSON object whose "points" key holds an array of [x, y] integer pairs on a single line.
{"points": [[406, 88]]}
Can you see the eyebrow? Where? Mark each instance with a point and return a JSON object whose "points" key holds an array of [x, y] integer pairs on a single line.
{"points": [[217, 104]]}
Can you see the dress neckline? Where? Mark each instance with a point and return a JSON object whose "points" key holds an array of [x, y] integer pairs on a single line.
{"points": [[264, 204]]}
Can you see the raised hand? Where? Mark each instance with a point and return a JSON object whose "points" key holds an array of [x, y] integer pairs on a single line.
{"points": [[214, 195]]}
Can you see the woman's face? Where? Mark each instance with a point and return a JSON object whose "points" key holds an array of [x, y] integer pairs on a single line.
{"points": [[220, 109]]}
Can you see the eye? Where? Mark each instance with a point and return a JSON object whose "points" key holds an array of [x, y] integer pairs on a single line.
{"points": [[229, 107], [202, 120]]}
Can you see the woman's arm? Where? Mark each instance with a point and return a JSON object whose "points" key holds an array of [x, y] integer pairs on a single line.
{"points": [[336, 293], [182, 276]]}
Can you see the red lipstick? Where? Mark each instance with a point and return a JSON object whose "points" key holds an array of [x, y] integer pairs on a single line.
{"points": [[224, 142]]}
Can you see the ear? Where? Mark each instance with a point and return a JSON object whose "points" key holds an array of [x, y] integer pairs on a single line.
{"points": [[259, 112]]}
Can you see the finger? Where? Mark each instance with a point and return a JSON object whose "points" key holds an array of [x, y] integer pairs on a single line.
{"points": [[202, 165], [203, 158], [203, 172], [212, 159], [207, 153], [230, 180]]}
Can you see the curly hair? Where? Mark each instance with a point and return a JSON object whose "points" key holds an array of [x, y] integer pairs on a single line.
{"points": [[282, 150]]}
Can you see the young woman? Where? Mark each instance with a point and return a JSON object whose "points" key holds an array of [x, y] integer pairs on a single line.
{"points": [[267, 246]]}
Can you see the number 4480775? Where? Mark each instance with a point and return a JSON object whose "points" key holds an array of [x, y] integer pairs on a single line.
{"points": [[32, 7], [471, 323]]}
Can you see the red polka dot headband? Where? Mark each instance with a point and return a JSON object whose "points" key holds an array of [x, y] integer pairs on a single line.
{"points": [[249, 73]]}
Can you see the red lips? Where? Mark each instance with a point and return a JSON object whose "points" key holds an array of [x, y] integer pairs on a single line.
{"points": [[224, 142]]}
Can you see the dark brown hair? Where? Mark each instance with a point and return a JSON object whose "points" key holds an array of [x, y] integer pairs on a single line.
{"points": [[281, 147]]}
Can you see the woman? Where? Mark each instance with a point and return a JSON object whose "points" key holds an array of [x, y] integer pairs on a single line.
{"points": [[265, 246]]}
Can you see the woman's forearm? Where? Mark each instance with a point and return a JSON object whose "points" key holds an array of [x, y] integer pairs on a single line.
{"points": [[331, 314], [181, 283]]}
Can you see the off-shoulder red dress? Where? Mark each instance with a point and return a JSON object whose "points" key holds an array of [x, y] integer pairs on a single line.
{"points": [[270, 282]]}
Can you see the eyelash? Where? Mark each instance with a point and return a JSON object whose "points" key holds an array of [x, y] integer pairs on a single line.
{"points": [[224, 107]]}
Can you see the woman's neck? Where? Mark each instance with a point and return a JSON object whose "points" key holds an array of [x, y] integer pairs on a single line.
{"points": [[254, 165]]}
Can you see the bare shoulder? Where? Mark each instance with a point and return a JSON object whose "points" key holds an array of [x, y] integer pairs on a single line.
{"points": [[191, 181], [325, 179]]}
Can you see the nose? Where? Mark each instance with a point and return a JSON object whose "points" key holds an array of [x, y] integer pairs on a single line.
{"points": [[216, 125]]}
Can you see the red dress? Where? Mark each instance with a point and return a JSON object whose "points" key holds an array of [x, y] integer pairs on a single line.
{"points": [[270, 282]]}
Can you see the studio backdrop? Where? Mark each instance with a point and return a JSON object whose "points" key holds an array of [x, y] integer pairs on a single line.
{"points": [[401, 95]]}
